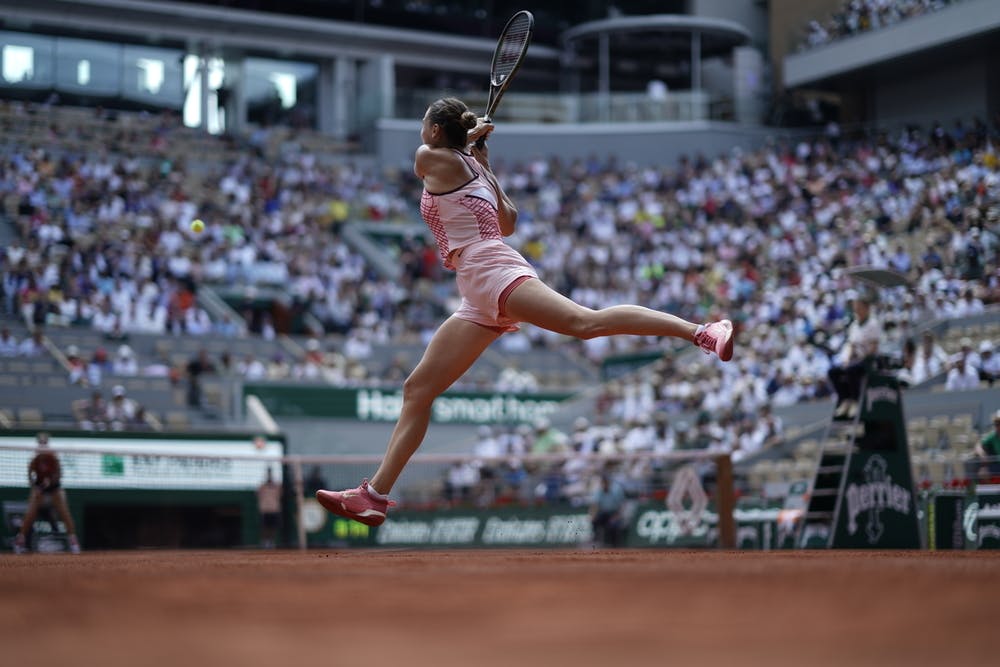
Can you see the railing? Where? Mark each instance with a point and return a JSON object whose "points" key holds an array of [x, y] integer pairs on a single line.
{"points": [[684, 105]]}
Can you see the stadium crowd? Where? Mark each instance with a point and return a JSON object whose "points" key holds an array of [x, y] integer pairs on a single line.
{"points": [[764, 238], [858, 16]]}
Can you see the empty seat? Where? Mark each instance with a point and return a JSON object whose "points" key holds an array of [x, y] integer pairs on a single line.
{"points": [[176, 420], [30, 417], [16, 366], [807, 450]]}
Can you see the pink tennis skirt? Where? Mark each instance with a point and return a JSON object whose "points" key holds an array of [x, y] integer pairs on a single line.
{"points": [[486, 273]]}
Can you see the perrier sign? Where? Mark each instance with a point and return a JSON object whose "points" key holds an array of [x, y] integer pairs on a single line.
{"points": [[876, 507]]}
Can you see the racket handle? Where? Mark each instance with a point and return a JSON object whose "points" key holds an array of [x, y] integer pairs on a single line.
{"points": [[481, 141]]}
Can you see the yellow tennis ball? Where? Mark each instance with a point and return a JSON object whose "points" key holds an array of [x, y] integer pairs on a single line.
{"points": [[197, 226]]}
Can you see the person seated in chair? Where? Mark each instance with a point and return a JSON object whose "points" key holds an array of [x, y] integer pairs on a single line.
{"points": [[852, 361]]}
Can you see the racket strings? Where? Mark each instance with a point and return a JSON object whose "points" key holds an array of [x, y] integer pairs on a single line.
{"points": [[511, 48]]}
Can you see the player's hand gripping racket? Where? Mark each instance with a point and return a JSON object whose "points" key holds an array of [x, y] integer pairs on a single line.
{"points": [[507, 58]]}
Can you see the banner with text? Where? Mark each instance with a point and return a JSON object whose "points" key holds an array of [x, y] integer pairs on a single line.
{"points": [[650, 525], [383, 405]]}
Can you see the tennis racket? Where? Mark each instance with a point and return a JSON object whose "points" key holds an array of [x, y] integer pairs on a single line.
{"points": [[507, 58]]}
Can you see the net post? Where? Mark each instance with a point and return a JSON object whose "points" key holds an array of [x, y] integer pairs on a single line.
{"points": [[300, 527], [726, 501]]}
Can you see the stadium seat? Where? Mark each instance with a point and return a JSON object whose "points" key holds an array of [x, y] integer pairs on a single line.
{"points": [[30, 418], [176, 420], [807, 450], [936, 466]]}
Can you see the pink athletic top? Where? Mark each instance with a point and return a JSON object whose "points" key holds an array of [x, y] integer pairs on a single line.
{"points": [[465, 215]]}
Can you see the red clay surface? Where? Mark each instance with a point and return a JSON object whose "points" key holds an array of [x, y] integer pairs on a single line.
{"points": [[414, 608]]}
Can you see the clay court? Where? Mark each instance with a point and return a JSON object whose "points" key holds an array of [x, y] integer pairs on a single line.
{"points": [[499, 608]]}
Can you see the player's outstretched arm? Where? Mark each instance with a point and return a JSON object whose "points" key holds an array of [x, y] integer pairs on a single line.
{"points": [[506, 209]]}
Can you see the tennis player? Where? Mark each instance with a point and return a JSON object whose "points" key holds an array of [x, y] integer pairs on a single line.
{"points": [[469, 214], [45, 476]]}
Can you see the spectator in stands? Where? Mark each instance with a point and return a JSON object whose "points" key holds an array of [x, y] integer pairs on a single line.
{"points": [[987, 450], [513, 378], [852, 361], [45, 478], [34, 345], [251, 368], [547, 438], [269, 509], [77, 366], [967, 352], [122, 410], [989, 363], [930, 359], [279, 368], [97, 367], [125, 364], [8, 344], [607, 512], [105, 320], [196, 368], [488, 453], [962, 376], [91, 414], [460, 481]]}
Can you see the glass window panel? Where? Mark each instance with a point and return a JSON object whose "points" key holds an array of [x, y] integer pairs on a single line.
{"points": [[26, 61], [281, 92], [153, 75], [85, 66]]}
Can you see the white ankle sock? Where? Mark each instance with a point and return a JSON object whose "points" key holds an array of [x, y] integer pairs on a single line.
{"points": [[373, 493], [701, 327]]}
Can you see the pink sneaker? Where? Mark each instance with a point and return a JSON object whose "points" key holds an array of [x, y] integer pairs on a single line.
{"points": [[358, 504], [717, 337], [20, 547], [74, 545]]}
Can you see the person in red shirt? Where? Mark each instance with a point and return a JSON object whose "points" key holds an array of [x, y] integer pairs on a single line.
{"points": [[45, 477]]}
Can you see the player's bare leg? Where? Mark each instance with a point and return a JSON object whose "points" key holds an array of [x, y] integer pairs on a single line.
{"points": [[28, 520], [535, 302], [62, 507], [454, 348]]}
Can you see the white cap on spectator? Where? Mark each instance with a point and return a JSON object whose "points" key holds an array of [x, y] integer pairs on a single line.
{"points": [[118, 390], [986, 346], [72, 351], [312, 344], [124, 351]]}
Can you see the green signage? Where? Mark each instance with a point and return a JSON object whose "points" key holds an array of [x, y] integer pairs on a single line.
{"points": [[384, 405], [877, 508], [651, 525], [982, 518]]}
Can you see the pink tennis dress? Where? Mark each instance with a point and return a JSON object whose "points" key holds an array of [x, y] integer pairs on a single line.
{"points": [[466, 227]]}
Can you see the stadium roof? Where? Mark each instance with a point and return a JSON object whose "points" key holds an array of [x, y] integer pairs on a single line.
{"points": [[718, 36], [146, 21]]}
